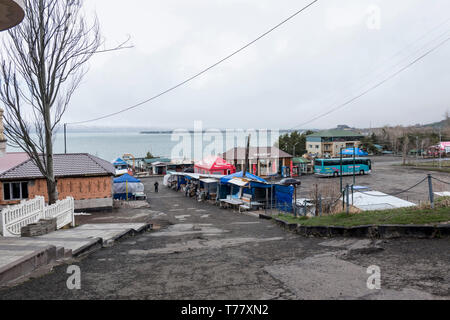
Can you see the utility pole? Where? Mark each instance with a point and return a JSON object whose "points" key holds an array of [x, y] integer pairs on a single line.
{"points": [[417, 151], [247, 150], [65, 138], [340, 171], [440, 144], [354, 165]]}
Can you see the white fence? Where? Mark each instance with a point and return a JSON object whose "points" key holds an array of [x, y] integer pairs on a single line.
{"points": [[13, 218]]}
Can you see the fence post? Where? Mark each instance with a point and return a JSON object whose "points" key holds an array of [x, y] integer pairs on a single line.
{"points": [[347, 188], [72, 209], [42, 207], [430, 189], [2, 223], [316, 196], [320, 205]]}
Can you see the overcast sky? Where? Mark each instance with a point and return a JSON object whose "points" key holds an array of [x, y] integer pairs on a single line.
{"points": [[323, 57]]}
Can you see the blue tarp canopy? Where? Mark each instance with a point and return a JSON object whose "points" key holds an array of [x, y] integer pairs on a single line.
{"points": [[358, 152], [241, 175], [284, 196], [119, 162], [126, 178]]}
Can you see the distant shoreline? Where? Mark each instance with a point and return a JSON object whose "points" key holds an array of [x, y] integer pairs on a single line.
{"points": [[204, 131]]}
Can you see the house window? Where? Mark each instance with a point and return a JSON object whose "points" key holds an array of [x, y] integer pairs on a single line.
{"points": [[15, 191]]}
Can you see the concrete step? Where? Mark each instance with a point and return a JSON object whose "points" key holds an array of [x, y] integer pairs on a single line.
{"points": [[20, 257], [19, 261]]}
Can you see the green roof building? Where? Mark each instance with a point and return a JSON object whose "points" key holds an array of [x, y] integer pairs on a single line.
{"points": [[329, 143]]}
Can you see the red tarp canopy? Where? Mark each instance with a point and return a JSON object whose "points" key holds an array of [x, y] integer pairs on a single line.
{"points": [[214, 163]]}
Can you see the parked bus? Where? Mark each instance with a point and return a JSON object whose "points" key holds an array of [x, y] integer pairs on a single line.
{"points": [[332, 167]]}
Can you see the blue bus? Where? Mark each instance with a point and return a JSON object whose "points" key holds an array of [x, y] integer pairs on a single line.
{"points": [[332, 167]]}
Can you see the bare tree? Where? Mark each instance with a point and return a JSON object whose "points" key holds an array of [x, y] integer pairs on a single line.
{"points": [[42, 63], [405, 145]]}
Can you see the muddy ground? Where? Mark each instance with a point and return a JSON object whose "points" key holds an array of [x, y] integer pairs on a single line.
{"points": [[203, 252], [387, 177]]}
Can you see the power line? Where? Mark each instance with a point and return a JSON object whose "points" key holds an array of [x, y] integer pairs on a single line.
{"points": [[374, 86], [378, 68], [201, 72], [441, 181], [398, 193]]}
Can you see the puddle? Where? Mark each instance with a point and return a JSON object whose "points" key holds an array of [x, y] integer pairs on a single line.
{"points": [[182, 218], [187, 228], [245, 223], [325, 276], [201, 244]]}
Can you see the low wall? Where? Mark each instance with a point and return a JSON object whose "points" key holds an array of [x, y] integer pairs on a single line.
{"points": [[27, 264], [92, 205], [369, 231]]}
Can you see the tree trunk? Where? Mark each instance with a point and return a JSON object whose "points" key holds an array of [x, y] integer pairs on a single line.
{"points": [[42, 66], [51, 181], [405, 149], [52, 191]]}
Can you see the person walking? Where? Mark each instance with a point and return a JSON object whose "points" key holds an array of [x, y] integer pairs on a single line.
{"points": [[156, 186]]}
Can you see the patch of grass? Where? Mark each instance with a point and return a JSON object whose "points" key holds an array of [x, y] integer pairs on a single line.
{"points": [[430, 163], [447, 170], [429, 166], [397, 216]]}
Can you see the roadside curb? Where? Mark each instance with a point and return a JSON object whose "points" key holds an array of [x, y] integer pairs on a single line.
{"points": [[126, 234], [94, 245], [25, 265], [367, 231]]}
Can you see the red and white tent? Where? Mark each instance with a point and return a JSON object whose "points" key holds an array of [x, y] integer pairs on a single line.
{"points": [[214, 165]]}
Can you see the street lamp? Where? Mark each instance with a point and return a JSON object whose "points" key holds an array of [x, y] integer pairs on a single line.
{"points": [[11, 13]]}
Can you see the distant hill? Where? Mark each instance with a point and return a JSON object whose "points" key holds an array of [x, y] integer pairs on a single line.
{"points": [[439, 124]]}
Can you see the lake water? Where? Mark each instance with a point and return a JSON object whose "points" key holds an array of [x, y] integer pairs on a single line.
{"points": [[110, 145]]}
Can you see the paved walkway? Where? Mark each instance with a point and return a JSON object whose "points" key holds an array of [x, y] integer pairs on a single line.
{"points": [[15, 253]]}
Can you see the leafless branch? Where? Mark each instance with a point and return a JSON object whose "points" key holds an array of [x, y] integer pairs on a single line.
{"points": [[42, 62]]}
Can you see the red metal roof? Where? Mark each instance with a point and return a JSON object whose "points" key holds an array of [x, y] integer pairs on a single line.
{"points": [[11, 160]]}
